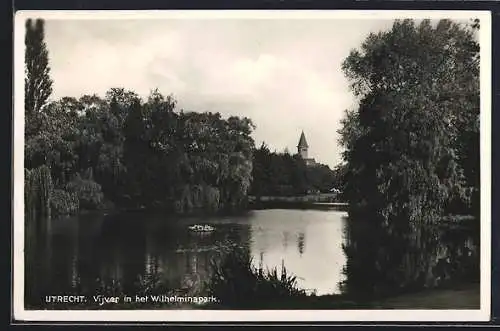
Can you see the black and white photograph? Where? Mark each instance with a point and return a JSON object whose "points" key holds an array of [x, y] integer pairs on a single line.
{"points": [[252, 165]]}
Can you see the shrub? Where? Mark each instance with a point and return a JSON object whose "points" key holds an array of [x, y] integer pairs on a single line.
{"points": [[88, 192], [63, 203], [238, 284]]}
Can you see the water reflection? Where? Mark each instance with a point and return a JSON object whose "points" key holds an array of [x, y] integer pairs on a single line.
{"points": [[301, 243], [79, 252], [410, 259], [319, 267], [327, 253]]}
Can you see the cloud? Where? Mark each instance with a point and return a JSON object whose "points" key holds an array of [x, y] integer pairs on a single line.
{"points": [[284, 75]]}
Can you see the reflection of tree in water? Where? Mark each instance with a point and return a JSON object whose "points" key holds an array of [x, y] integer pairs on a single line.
{"points": [[34, 262], [286, 236], [381, 262], [301, 243], [50, 263], [187, 263], [127, 254]]}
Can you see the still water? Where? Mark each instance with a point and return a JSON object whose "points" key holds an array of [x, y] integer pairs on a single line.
{"points": [[126, 247], [132, 252]]}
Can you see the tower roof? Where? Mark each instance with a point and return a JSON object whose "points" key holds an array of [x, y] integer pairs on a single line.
{"points": [[302, 140]]}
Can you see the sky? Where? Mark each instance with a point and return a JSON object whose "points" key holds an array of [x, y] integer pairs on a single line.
{"points": [[284, 74]]}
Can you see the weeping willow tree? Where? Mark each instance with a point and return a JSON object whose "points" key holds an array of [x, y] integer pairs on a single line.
{"points": [[198, 197], [38, 188]]}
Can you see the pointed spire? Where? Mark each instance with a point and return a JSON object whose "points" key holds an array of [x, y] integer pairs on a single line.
{"points": [[302, 141]]}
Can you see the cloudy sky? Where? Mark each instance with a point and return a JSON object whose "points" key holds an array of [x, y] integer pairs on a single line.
{"points": [[283, 74]]}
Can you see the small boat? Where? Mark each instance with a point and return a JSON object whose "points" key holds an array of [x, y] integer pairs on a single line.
{"points": [[201, 228]]}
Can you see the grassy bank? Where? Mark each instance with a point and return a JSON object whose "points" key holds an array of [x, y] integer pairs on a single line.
{"points": [[463, 296], [239, 285]]}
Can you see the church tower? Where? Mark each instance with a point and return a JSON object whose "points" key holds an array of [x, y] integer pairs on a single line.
{"points": [[302, 147]]}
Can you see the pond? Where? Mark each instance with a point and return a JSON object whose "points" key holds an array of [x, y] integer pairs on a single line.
{"points": [[315, 245]]}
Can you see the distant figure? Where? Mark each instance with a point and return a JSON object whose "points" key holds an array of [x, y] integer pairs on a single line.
{"points": [[302, 149]]}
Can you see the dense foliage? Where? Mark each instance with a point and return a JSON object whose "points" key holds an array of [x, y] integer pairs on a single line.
{"points": [[417, 126], [143, 153], [63, 203], [412, 146], [283, 174], [86, 191]]}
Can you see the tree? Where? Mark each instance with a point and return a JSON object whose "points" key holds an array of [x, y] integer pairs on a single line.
{"points": [[142, 153], [282, 174], [418, 87], [260, 171], [135, 153], [38, 84], [419, 91]]}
